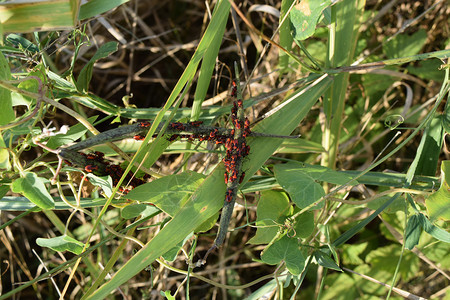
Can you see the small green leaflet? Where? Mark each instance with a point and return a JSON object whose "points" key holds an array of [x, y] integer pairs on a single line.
{"points": [[61, 244], [6, 110], [304, 17], [433, 230], [86, 73], [141, 209], [32, 187], [438, 203], [412, 232], [287, 250], [273, 208], [169, 192], [301, 181], [325, 261]]}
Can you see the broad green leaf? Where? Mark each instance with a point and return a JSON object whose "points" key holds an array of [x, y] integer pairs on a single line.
{"points": [[285, 34], [97, 7], [438, 203], [273, 208], [6, 110], [86, 73], [4, 155], [299, 146], [134, 210], [321, 173], [412, 232], [386, 258], [22, 43], [172, 254], [32, 187], [325, 261], [341, 287], [433, 230], [61, 244], [351, 253], [304, 17], [3, 190], [302, 187], [105, 182], [438, 253], [446, 119], [429, 69], [168, 193], [287, 250], [430, 148], [33, 16], [304, 225], [405, 45]]}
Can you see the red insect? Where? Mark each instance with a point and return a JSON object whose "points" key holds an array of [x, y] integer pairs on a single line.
{"points": [[173, 137], [144, 124], [99, 154], [213, 133], [233, 89], [91, 156], [196, 123], [239, 103], [226, 177], [232, 132], [177, 125], [229, 195], [90, 168], [138, 137], [237, 124], [241, 178], [246, 123], [245, 150]]}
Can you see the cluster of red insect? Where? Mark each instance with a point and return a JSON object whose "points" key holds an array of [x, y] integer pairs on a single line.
{"points": [[139, 137], [115, 171], [236, 148]]}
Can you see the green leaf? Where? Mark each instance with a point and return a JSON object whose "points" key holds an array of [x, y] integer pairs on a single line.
{"points": [[300, 146], [304, 17], [22, 43], [341, 287], [287, 250], [430, 147], [433, 230], [321, 173], [412, 232], [4, 155], [386, 258], [351, 252], [438, 203], [6, 110], [172, 254], [168, 193], [34, 189], [304, 225], [302, 187], [97, 7], [61, 244], [405, 45], [326, 261], [446, 119], [86, 73], [273, 208], [105, 182], [134, 210]]}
